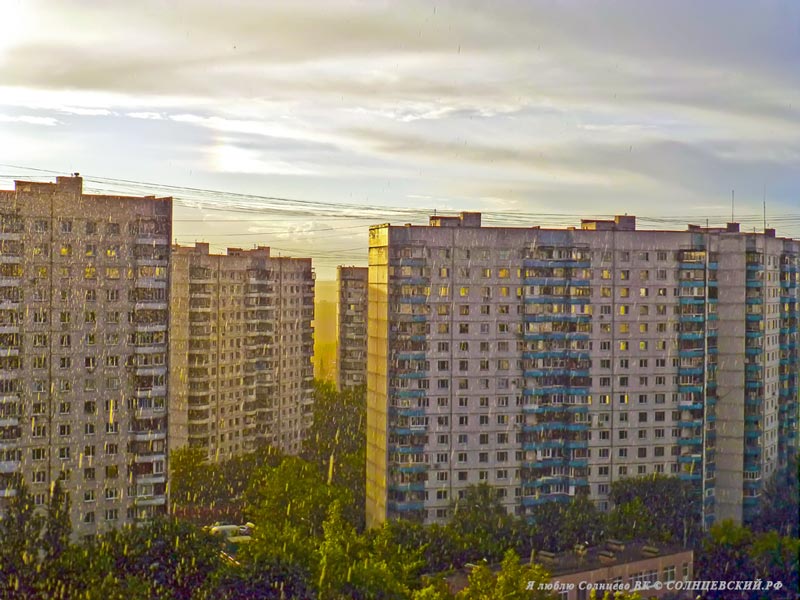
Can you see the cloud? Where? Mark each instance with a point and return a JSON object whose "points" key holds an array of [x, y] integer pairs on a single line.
{"points": [[232, 159], [154, 116], [505, 105], [30, 120], [85, 112]]}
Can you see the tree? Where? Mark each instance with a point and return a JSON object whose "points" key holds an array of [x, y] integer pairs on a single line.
{"points": [[204, 492], [633, 520], [433, 589], [513, 581], [481, 524], [779, 509], [547, 520], [406, 561], [264, 580], [582, 522], [174, 558], [191, 477], [725, 553], [336, 441], [20, 532], [673, 506], [775, 558], [57, 525]]}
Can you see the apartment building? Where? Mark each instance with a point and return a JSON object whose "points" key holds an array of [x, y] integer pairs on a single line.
{"points": [[241, 350], [549, 362], [351, 326], [84, 294]]}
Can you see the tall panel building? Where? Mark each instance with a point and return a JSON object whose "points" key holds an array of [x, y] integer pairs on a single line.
{"points": [[552, 362], [83, 361], [351, 326], [241, 351]]}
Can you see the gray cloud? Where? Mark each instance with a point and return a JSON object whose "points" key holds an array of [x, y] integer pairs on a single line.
{"points": [[529, 104]]}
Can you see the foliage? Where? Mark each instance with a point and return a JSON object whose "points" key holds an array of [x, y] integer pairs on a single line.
{"points": [[55, 538], [673, 507], [205, 491], [336, 441], [20, 532], [725, 553], [307, 543], [779, 502], [264, 580], [775, 558], [513, 581], [481, 525], [633, 520], [734, 552]]}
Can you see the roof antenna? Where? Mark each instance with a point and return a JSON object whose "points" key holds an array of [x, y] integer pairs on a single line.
{"points": [[764, 200], [733, 196]]}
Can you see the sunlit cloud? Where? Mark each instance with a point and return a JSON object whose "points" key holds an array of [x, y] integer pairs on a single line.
{"points": [[30, 120], [505, 106], [230, 159]]}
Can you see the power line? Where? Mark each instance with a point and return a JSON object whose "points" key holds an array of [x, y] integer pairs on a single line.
{"points": [[290, 208]]}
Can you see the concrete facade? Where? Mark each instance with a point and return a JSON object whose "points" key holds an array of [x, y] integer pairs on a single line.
{"points": [[241, 350], [351, 326], [84, 293], [551, 362]]}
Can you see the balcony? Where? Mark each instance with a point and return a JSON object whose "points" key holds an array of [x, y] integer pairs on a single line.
{"points": [[10, 466], [142, 457]]}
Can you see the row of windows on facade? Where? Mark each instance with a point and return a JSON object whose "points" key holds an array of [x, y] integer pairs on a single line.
{"points": [[504, 438], [502, 476], [89, 272], [111, 252], [443, 458], [500, 383], [557, 272], [659, 416], [487, 292], [89, 362], [90, 227], [641, 309], [644, 275], [90, 406], [502, 401], [67, 294], [109, 472], [263, 277], [581, 254], [109, 493]]}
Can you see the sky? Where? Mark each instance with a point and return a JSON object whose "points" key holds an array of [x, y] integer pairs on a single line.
{"points": [[298, 124]]}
